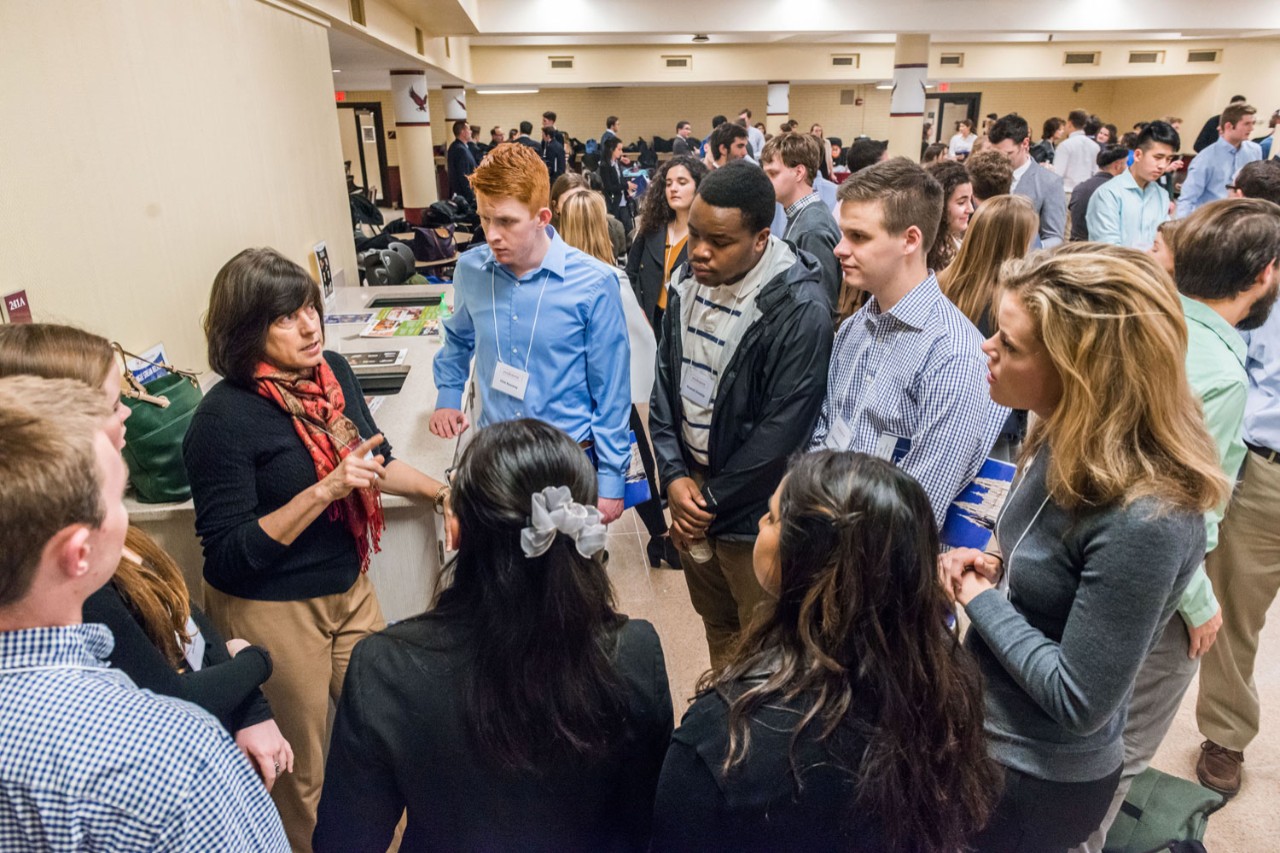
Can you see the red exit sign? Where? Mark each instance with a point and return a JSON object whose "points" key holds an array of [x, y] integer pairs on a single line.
{"points": [[339, 96]]}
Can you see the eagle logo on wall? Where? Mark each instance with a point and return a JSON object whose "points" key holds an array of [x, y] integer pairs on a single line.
{"points": [[420, 100]]}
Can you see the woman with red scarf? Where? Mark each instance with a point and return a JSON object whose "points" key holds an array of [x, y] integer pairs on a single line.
{"points": [[287, 469]]}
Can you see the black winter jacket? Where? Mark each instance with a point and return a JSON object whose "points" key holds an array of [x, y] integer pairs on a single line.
{"points": [[768, 400]]}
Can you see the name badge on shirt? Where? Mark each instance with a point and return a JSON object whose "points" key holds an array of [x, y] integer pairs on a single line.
{"points": [[892, 448], [511, 381], [699, 386], [840, 436]]}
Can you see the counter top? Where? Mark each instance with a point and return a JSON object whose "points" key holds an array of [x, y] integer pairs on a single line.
{"points": [[402, 417]]}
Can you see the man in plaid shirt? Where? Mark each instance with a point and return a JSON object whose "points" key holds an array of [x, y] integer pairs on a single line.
{"points": [[907, 380], [87, 760]]}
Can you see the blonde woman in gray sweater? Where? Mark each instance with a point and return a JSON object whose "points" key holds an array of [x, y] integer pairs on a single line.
{"points": [[1100, 533]]}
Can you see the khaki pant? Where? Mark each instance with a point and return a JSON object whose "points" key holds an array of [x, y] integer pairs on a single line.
{"points": [[1245, 570], [310, 642], [725, 592]]}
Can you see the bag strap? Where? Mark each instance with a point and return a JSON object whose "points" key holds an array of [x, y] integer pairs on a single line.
{"points": [[134, 389]]}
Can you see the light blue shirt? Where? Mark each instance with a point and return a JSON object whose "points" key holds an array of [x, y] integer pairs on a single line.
{"points": [[1211, 171], [827, 190], [563, 323], [1122, 213], [1262, 408]]}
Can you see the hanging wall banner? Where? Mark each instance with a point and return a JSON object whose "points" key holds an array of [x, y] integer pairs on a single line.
{"points": [[455, 103], [779, 99], [409, 97], [908, 90]]}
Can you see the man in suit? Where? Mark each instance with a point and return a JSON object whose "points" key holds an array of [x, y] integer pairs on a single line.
{"points": [[1011, 136], [552, 153], [610, 130], [680, 145], [549, 121], [461, 162], [617, 189], [791, 162], [526, 128]]}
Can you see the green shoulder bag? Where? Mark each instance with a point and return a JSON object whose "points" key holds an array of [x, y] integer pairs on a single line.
{"points": [[161, 410]]}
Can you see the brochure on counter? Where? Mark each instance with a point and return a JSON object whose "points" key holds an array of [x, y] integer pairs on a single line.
{"points": [[416, 321]]}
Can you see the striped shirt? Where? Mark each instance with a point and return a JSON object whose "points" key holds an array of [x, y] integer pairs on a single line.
{"points": [[811, 198], [715, 319], [911, 383], [90, 762]]}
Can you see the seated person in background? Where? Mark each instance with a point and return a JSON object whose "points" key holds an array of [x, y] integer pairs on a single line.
{"points": [[991, 175], [1101, 532], [1111, 161], [87, 760], [163, 642], [957, 207], [791, 162], [536, 716], [849, 718]]}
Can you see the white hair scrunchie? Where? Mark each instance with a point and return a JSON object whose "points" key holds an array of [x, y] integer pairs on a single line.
{"points": [[555, 511]]}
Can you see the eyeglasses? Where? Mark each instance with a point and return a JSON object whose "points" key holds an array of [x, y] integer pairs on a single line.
{"points": [[1232, 187]]}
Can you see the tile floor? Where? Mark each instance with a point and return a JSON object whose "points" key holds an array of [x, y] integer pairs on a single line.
{"points": [[1244, 826]]}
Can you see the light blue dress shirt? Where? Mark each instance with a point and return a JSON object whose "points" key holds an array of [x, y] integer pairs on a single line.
{"points": [[1211, 171], [1262, 408], [1124, 214], [563, 323]]}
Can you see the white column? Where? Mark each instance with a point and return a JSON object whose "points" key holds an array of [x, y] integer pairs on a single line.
{"points": [[413, 137], [906, 107], [778, 111]]}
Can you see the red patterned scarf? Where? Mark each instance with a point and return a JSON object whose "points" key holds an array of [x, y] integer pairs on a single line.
{"points": [[314, 399]]}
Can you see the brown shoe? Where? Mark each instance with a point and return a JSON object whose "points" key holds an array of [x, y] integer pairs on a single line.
{"points": [[1220, 768]]}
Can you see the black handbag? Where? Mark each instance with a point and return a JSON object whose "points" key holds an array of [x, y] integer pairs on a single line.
{"points": [[160, 410]]}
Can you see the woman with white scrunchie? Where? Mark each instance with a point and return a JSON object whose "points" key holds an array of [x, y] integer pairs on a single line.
{"points": [[523, 710]]}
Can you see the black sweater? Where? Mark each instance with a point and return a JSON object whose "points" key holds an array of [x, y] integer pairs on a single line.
{"points": [[400, 741], [758, 805], [245, 460], [224, 686]]}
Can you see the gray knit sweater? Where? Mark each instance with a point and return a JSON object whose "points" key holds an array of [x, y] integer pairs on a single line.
{"points": [[1089, 594]]}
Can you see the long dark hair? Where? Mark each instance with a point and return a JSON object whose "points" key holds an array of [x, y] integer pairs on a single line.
{"points": [[655, 213], [951, 175], [858, 636], [540, 683]]}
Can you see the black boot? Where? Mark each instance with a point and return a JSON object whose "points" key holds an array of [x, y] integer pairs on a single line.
{"points": [[661, 548]]}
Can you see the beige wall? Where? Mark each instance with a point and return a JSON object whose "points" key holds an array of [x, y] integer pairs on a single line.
{"points": [[151, 141]]}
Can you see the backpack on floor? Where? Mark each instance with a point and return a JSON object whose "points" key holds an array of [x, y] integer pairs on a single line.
{"points": [[1162, 812]]}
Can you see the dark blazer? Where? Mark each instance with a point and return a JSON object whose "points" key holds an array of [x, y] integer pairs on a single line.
{"points": [[761, 805], [460, 164], [814, 230], [646, 268], [680, 146], [553, 156], [529, 142], [768, 399], [399, 741], [615, 186]]}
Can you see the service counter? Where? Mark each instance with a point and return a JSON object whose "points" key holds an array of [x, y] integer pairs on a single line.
{"points": [[405, 571]]}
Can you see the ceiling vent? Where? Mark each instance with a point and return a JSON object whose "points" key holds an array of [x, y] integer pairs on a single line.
{"points": [[847, 97], [952, 60], [681, 63], [846, 60], [1146, 57], [1204, 55], [561, 63], [1082, 58]]}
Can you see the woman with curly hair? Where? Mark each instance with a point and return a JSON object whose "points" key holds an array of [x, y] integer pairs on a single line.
{"points": [[663, 231], [957, 190]]}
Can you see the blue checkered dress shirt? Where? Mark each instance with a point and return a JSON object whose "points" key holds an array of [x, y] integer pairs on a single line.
{"points": [[90, 762], [916, 371]]}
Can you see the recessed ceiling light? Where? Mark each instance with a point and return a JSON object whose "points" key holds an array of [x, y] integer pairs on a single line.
{"points": [[701, 37], [337, 71], [885, 84], [506, 91]]}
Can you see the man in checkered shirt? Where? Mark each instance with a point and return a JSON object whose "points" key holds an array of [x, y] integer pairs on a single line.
{"points": [[87, 760], [907, 380]]}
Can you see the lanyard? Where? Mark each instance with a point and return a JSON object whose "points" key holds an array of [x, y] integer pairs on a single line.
{"points": [[493, 295], [1006, 580]]}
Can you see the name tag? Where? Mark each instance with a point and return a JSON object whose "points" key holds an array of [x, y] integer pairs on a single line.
{"points": [[511, 381], [840, 435], [699, 386], [892, 448]]}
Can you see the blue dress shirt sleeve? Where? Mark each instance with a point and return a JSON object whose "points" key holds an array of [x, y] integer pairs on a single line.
{"points": [[452, 364], [1103, 217], [608, 353]]}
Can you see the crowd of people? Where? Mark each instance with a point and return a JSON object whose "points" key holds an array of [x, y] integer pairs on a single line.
{"points": [[825, 365]]}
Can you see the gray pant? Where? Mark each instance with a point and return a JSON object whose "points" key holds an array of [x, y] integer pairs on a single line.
{"points": [[1162, 681]]}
